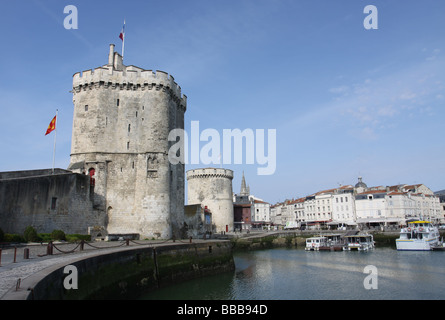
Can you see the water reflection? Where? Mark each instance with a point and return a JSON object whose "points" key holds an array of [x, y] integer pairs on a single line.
{"points": [[290, 274]]}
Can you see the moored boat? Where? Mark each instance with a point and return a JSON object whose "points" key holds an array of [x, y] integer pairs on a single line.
{"points": [[359, 242], [314, 243], [334, 242], [420, 235]]}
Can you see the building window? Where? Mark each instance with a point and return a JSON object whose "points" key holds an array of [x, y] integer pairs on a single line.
{"points": [[128, 145], [86, 107], [117, 102], [129, 127], [53, 203]]}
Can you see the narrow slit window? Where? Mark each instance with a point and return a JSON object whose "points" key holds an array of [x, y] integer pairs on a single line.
{"points": [[53, 203]]}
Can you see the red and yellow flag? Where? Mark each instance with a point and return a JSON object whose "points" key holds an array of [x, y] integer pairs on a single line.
{"points": [[52, 126]]}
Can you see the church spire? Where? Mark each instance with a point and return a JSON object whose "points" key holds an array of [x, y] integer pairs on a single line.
{"points": [[244, 191]]}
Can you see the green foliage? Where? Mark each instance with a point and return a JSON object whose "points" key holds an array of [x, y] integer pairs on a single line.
{"points": [[14, 238], [30, 235], [45, 237], [78, 237], [58, 235]]}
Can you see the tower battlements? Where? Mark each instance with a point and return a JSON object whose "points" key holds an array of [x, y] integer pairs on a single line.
{"points": [[209, 173], [117, 76]]}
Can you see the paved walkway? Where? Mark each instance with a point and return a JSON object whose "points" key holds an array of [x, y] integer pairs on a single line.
{"points": [[11, 272]]}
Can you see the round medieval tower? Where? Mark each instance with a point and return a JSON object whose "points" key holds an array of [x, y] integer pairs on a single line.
{"points": [[122, 119], [212, 188]]}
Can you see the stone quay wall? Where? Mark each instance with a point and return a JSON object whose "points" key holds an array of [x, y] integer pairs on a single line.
{"points": [[126, 273]]}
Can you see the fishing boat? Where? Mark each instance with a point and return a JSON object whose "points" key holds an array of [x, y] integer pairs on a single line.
{"points": [[419, 236], [314, 243], [359, 242]]}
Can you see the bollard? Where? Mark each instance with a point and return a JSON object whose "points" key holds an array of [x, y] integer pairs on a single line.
{"points": [[174, 239], [49, 248], [26, 253], [17, 285], [82, 243], [127, 242], [15, 254], [190, 239]]}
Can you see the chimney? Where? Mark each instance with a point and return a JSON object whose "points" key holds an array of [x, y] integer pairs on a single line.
{"points": [[111, 56]]}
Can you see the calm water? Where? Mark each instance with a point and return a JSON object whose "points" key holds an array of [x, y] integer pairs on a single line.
{"points": [[290, 274]]}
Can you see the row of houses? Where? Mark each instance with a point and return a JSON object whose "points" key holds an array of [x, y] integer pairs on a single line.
{"points": [[349, 207]]}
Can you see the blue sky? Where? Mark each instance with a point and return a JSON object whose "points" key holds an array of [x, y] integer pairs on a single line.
{"points": [[345, 101]]}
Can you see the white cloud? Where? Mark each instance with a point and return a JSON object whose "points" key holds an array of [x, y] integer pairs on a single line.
{"points": [[373, 105], [339, 90], [433, 55]]}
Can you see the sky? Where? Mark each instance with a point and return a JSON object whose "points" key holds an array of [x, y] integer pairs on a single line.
{"points": [[345, 101]]}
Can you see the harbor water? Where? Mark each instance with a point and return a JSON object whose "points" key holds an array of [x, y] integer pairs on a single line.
{"points": [[294, 274]]}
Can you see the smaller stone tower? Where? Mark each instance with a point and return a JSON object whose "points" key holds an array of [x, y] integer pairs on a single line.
{"points": [[212, 188]]}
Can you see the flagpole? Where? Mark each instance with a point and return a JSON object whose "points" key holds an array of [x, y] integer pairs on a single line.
{"points": [[55, 139], [123, 43]]}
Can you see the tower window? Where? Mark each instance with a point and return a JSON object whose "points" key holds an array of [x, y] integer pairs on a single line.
{"points": [[129, 127], [117, 103], [128, 145], [53, 203], [86, 107]]}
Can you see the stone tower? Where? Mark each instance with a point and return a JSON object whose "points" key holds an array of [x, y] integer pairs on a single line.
{"points": [[212, 188], [122, 118]]}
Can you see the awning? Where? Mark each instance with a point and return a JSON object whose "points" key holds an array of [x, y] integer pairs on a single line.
{"points": [[380, 220], [348, 223]]}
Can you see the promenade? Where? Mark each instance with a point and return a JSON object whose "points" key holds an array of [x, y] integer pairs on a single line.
{"points": [[13, 272]]}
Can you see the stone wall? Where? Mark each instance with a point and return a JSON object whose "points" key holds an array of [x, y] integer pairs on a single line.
{"points": [[47, 202], [128, 273]]}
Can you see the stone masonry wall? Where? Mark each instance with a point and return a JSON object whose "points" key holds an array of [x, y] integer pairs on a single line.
{"points": [[48, 202]]}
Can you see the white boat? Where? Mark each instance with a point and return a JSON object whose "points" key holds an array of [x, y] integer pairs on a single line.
{"points": [[419, 236], [315, 243], [359, 242]]}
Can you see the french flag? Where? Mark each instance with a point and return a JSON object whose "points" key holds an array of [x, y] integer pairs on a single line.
{"points": [[122, 34]]}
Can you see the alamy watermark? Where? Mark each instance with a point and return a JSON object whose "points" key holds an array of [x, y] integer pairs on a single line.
{"points": [[371, 281], [219, 150], [71, 280], [71, 21]]}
